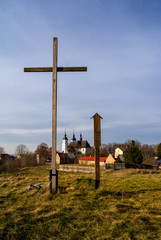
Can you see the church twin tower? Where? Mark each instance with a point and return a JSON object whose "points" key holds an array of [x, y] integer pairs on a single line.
{"points": [[74, 143]]}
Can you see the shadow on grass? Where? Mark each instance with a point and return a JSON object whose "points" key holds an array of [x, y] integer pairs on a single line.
{"points": [[31, 226], [146, 228], [126, 194], [84, 180], [82, 183]]}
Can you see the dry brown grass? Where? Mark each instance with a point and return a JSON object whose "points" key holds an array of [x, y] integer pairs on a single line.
{"points": [[126, 206]]}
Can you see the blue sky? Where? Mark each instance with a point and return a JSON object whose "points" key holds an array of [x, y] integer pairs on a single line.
{"points": [[119, 42]]}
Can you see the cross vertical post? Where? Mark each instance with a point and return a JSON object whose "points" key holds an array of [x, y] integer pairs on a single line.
{"points": [[54, 116]]}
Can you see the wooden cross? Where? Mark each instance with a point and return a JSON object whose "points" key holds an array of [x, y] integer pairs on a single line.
{"points": [[54, 70]]}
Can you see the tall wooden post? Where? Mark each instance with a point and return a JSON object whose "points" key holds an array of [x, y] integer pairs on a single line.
{"points": [[97, 144], [54, 116]]}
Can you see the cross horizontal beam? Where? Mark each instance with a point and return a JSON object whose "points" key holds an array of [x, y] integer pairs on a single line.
{"points": [[59, 69]]}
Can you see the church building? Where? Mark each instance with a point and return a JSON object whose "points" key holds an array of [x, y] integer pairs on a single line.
{"points": [[81, 145]]}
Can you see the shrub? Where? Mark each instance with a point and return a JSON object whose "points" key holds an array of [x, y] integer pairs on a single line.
{"points": [[26, 160]]}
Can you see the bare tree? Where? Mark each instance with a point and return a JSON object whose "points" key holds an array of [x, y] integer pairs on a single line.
{"points": [[42, 150], [128, 142], [1, 150], [21, 149]]}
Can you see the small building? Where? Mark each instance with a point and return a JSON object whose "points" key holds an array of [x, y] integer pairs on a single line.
{"points": [[110, 159], [91, 161], [65, 158], [118, 152], [4, 157]]}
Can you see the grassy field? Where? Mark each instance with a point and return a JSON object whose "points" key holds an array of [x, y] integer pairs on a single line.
{"points": [[127, 206]]}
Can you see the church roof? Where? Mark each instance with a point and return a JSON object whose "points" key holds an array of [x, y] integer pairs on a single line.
{"points": [[80, 144], [74, 144], [85, 144]]}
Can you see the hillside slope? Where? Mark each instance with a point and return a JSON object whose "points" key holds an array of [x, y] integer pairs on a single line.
{"points": [[127, 206]]}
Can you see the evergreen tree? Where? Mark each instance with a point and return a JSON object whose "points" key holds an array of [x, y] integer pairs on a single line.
{"points": [[159, 151], [133, 154]]}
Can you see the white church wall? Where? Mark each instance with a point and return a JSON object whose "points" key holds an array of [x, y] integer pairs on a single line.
{"points": [[65, 146]]}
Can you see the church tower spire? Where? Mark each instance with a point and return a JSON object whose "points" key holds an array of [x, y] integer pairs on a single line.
{"points": [[73, 138], [80, 137], [65, 143]]}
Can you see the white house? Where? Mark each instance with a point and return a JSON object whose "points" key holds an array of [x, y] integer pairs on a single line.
{"points": [[118, 152]]}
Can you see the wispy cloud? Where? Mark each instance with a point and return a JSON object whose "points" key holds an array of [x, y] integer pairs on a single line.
{"points": [[25, 131]]}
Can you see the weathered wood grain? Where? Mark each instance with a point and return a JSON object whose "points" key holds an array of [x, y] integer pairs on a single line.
{"points": [[59, 69], [54, 116]]}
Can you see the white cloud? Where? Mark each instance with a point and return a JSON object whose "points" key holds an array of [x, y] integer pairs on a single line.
{"points": [[25, 131]]}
